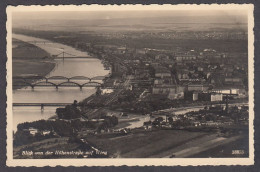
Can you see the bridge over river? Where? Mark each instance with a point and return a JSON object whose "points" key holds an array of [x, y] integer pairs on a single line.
{"points": [[41, 104], [58, 81]]}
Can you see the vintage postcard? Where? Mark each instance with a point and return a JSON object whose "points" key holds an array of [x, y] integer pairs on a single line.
{"points": [[103, 85]]}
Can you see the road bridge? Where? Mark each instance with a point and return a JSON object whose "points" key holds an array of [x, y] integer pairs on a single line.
{"points": [[64, 55], [74, 57], [41, 104]]}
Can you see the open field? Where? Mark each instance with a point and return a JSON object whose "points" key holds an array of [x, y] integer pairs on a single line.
{"points": [[23, 50], [28, 59], [32, 67], [167, 143], [198, 145], [51, 144], [143, 144], [225, 150]]}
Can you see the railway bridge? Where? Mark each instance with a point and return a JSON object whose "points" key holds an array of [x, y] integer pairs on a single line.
{"points": [[68, 79], [41, 81], [51, 84]]}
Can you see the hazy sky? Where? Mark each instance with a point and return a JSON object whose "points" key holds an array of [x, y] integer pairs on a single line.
{"points": [[137, 20], [225, 15]]}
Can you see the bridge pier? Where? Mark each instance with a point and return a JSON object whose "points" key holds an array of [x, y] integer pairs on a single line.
{"points": [[42, 107]]}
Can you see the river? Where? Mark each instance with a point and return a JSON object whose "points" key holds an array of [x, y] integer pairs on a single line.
{"points": [[89, 67]]}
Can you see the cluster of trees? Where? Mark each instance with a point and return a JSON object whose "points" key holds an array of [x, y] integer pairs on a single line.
{"points": [[128, 96], [149, 104], [109, 121], [23, 138], [69, 112], [61, 127], [128, 103], [178, 123]]}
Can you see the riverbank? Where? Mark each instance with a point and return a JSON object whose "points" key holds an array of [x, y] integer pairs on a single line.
{"points": [[32, 67], [30, 60]]}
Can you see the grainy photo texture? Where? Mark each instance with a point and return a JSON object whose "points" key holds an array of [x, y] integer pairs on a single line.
{"points": [[105, 85]]}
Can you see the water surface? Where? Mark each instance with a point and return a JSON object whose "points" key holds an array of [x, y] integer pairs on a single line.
{"points": [[89, 67]]}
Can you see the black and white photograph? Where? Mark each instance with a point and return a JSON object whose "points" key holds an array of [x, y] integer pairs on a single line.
{"points": [[130, 84]]}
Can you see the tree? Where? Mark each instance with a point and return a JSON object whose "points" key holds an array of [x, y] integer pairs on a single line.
{"points": [[159, 119], [69, 112], [98, 92], [170, 119], [111, 120], [147, 122]]}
